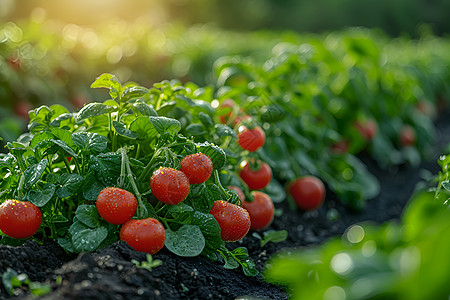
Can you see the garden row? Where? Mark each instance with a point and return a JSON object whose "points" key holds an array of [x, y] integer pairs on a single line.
{"points": [[193, 167]]}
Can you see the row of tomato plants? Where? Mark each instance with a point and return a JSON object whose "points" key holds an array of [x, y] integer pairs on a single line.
{"points": [[153, 167]]}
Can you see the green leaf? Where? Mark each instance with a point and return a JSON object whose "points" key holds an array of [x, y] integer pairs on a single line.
{"points": [[40, 137], [69, 184], [67, 244], [195, 129], [446, 185], [224, 130], [66, 148], [88, 215], [217, 155], [206, 120], [272, 113], [56, 122], [163, 124], [34, 173], [85, 238], [110, 82], [144, 129], [92, 186], [188, 241], [202, 196], [93, 110], [41, 197], [144, 109], [133, 92], [90, 141], [107, 167], [274, 236], [6, 240], [122, 130], [210, 230], [275, 191]]}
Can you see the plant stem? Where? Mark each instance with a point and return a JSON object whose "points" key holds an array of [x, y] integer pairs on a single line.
{"points": [[219, 184], [149, 166]]}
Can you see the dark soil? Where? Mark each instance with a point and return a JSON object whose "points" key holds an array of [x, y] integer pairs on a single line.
{"points": [[110, 274]]}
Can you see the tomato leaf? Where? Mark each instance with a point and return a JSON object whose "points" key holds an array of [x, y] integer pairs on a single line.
{"points": [[93, 110], [69, 184], [206, 120], [90, 141], [133, 92], [144, 109], [202, 196], [41, 197], [122, 130], [85, 238], [195, 129], [88, 215], [210, 230], [144, 128], [34, 173], [110, 82], [66, 148], [163, 124], [273, 236], [188, 241], [106, 167], [217, 155], [224, 130], [92, 186]]}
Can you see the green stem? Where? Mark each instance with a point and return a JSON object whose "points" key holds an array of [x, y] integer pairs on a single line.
{"points": [[158, 103], [66, 162], [219, 184], [21, 183], [149, 166]]}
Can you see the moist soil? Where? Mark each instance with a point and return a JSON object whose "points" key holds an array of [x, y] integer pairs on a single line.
{"points": [[110, 274]]}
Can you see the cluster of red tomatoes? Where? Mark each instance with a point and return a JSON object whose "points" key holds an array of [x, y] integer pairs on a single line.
{"points": [[308, 192]]}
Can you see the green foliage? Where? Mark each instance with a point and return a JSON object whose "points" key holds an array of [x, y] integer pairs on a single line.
{"points": [[389, 261]]}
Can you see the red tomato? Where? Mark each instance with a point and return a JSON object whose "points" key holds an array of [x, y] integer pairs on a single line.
{"points": [[308, 192], [169, 186], [197, 167], [256, 179], [407, 136], [116, 205], [260, 210], [146, 235], [368, 129], [251, 139], [238, 191], [234, 221], [227, 103], [19, 219]]}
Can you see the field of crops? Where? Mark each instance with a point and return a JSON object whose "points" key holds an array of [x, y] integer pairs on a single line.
{"points": [[199, 163]]}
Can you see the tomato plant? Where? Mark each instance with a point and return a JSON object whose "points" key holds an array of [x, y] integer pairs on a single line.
{"points": [[308, 192], [251, 139], [261, 210], [146, 235], [19, 219], [234, 221], [256, 176], [169, 185], [116, 205], [197, 167]]}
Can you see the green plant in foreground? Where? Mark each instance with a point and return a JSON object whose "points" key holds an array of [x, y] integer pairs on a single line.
{"points": [[11, 280], [391, 261], [149, 264]]}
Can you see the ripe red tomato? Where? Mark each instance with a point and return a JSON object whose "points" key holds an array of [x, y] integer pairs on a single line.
{"points": [[234, 221], [256, 179], [308, 192], [260, 210], [368, 129], [116, 205], [238, 191], [19, 219], [407, 136], [169, 186], [197, 167], [146, 235], [251, 139]]}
